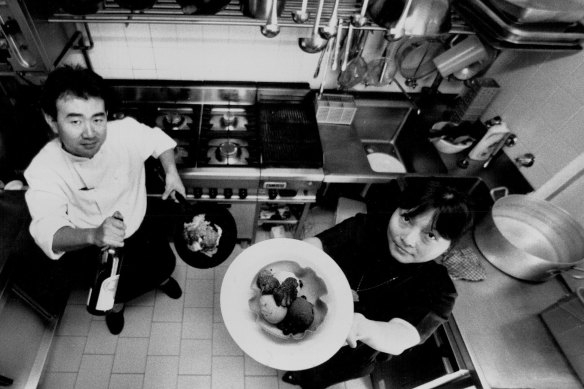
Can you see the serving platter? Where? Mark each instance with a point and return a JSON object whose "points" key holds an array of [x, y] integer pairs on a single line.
{"points": [[286, 354]]}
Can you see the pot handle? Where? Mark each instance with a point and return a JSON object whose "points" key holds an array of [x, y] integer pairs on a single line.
{"points": [[499, 192]]}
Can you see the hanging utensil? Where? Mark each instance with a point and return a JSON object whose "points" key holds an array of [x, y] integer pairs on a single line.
{"points": [[337, 47], [260, 9], [380, 72], [271, 29], [398, 31], [317, 71], [414, 58], [331, 29], [356, 68], [324, 74], [202, 7], [348, 40], [359, 20], [301, 15], [314, 43]]}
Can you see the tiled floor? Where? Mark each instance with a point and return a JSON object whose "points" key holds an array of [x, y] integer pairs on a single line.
{"points": [[165, 344]]}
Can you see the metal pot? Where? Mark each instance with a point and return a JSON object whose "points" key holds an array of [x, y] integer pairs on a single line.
{"points": [[530, 239], [260, 9]]}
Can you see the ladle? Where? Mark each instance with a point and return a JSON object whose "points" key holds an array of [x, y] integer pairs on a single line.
{"points": [[356, 69], [348, 40], [331, 29], [302, 15], [314, 43], [271, 28], [399, 30], [337, 47], [359, 20]]}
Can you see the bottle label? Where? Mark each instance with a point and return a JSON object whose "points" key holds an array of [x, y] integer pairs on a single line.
{"points": [[107, 293]]}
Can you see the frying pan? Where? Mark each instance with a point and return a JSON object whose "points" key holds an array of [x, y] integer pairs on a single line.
{"points": [[215, 214], [202, 7]]}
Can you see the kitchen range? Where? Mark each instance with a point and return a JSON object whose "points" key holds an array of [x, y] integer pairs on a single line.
{"points": [[252, 148]]}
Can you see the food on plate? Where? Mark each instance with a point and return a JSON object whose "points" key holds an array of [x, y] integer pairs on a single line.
{"points": [[287, 292], [270, 311], [201, 235], [299, 317], [267, 282]]}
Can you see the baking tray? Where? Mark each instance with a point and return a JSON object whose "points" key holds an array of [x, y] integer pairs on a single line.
{"points": [[482, 14], [540, 11]]}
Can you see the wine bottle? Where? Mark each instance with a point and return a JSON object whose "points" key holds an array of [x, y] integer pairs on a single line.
{"points": [[103, 292]]}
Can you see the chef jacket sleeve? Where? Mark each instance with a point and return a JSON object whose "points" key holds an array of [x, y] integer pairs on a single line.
{"points": [[149, 141], [47, 205]]}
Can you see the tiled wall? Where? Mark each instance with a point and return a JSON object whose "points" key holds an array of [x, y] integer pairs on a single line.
{"points": [[542, 101], [218, 52]]}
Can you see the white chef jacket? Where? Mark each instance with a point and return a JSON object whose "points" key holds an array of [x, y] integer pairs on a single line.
{"points": [[66, 190]]}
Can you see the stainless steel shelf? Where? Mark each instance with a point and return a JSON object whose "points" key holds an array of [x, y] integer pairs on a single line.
{"points": [[169, 12]]}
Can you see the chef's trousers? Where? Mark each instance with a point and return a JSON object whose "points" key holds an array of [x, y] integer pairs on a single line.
{"points": [[348, 363], [148, 261]]}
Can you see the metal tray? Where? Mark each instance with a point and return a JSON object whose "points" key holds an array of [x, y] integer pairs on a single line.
{"points": [[541, 11], [488, 23]]}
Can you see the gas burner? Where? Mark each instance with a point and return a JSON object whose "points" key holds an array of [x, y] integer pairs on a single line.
{"points": [[227, 152], [228, 119], [174, 120]]}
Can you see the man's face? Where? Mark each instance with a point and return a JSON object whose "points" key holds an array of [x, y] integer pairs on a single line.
{"points": [[81, 124], [412, 239]]}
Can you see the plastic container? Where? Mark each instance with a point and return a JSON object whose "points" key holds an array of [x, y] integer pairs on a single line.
{"points": [[335, 109]]}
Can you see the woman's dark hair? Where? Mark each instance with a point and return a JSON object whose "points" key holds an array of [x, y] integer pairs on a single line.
{"points": [[71, 80], [453, 216]]}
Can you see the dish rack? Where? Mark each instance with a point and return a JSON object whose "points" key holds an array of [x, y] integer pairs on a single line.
{"points": [[565, 320], [335, 109]]}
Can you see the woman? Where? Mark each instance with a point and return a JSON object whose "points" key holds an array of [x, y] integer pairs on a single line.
{"points": [[401, 294]]}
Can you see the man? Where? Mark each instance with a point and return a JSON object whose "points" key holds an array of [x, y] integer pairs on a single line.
{"points": [[87, 190]]}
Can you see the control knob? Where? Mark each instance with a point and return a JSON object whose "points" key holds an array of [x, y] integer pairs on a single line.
{"points": [[198, 193], [213, 193], [272, 194], [242, 193], [227, 192]]}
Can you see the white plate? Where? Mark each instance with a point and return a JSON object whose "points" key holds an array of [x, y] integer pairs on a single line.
{"points": [[385, 163], [286, 354]]}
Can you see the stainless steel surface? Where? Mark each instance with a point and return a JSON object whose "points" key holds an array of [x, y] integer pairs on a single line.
{"points": [[271, 29], [300, 16], [530, 239], [262, 9], [541, 11], [314, 43]]}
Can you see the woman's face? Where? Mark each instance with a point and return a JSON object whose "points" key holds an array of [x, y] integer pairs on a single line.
{"points": [[412, 239]]}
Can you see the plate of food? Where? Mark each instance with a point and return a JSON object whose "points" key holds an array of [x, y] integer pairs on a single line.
{"points": [[286, 304], [205, 235]]}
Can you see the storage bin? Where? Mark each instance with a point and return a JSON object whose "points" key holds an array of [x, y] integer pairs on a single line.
{"points": [[335, 109]]}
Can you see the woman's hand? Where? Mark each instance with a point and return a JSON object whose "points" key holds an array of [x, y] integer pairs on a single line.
{"points": [[357, 329], [173, 184]]}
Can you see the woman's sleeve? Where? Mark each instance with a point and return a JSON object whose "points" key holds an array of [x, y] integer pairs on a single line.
{"points": [[341, 240]]}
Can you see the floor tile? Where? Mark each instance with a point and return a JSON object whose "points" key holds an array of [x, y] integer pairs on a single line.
{"points": [[197, 323], [227, 373], [126, 381], [194, 382], [161, 372], [223, 344], [359, 383], [195, 357], [217, 316], [100, 340], [253, 382], [65, 354], [253, 367], [167, 309], [94, 372], [165, 339], [131, 355], [75, 321], [58, 381], [138, 321], [201, 274], [199, 293]]}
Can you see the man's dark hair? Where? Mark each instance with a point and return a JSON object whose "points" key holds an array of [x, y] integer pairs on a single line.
{"points": [[75, 81], [453, 216]]}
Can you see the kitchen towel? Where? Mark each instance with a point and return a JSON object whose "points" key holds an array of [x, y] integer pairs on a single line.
{"points": [[464, 264]]}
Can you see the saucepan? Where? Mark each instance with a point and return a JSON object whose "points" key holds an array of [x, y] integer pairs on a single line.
{"points": [[529, 238], [423, 18]]}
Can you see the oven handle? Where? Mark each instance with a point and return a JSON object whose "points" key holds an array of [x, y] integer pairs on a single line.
{"points": [[299, 199]]}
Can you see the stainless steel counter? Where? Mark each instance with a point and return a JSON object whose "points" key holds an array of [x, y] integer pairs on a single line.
{"points": [[508, 342]]}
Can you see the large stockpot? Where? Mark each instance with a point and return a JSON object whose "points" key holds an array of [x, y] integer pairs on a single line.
{"points": [[530, 239]]}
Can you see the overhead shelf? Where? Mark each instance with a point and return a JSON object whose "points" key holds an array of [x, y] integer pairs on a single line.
{"points": [[169, 12]]}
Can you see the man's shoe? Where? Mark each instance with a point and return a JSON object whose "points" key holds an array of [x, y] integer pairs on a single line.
{"points": [[115, 322], [171, 288]]}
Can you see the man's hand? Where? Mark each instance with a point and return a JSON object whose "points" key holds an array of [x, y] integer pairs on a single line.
{"points": [[111, 232], [173, 184]]}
